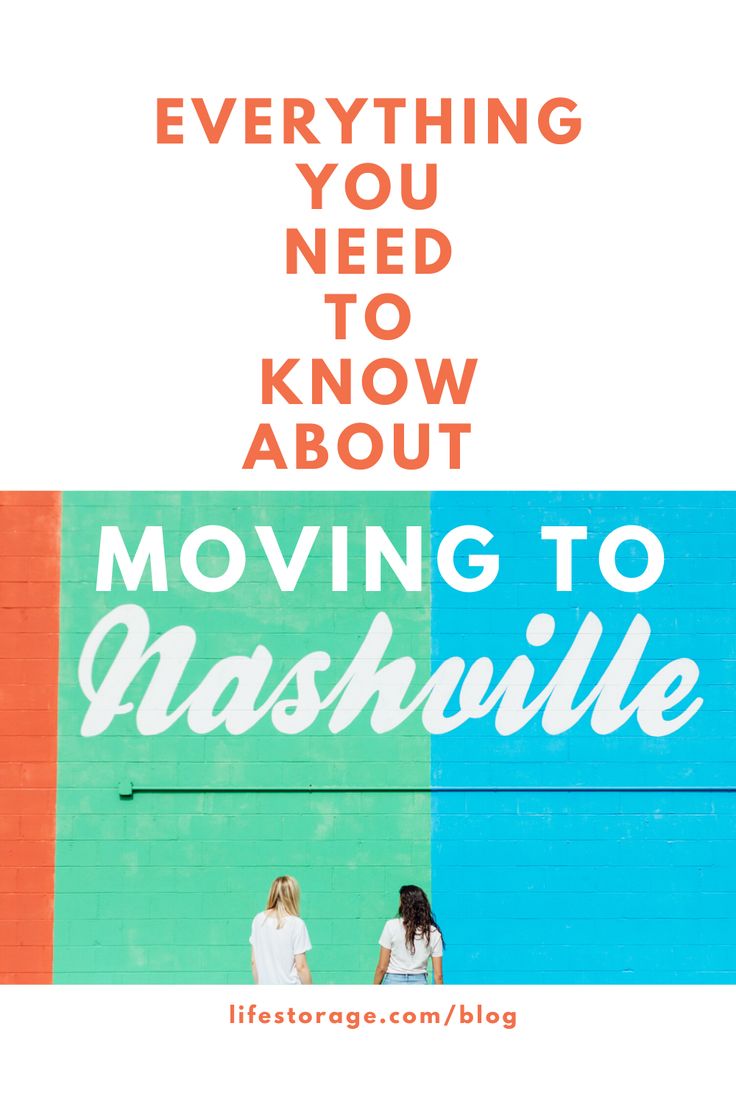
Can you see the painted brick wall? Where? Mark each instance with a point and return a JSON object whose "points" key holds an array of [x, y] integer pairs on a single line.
{"points": [[163, 887], [29, 625], [576, 887], [592, 887]]}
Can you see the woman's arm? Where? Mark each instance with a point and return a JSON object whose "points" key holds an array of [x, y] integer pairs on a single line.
{"points": [[437, 969], [305, 975], [253, 967], [382, 967]]}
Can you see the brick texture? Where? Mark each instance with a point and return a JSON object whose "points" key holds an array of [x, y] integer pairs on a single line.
{"points": [[621, 886], [163, 887], [29, 622], [591, 887]]}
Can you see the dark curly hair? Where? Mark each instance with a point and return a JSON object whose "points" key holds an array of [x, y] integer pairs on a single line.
{"points": [[416, 912]]}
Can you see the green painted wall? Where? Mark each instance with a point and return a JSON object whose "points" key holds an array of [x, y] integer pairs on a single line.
{"points": [[162, 888]]}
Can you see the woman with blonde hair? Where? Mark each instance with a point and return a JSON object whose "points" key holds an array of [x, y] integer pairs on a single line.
{"points": [[408, 941], [279, 938]]}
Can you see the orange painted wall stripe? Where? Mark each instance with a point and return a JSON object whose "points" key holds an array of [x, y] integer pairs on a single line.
{"points": [[30, 536]]}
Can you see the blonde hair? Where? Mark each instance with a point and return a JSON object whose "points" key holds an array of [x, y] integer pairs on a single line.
{"points": [[283, 898]]}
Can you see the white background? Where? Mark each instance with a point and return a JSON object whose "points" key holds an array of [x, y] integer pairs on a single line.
{"points": [[142, 285], [571, 1044]]}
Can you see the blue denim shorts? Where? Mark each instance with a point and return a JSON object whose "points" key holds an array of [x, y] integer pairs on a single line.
{"points": [[405, 979]]}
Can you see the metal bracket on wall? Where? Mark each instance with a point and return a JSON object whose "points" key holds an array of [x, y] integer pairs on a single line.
{"points": [[127, 789]]}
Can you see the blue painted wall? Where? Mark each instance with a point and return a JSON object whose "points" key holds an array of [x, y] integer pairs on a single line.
{"points": [[590, 887]]}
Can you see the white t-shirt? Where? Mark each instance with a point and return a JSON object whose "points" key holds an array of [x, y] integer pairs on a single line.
{"points": [[402, 961], [275, 948]]}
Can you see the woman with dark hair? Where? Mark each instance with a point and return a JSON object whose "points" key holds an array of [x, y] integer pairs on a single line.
{"points": [[409, 941]]}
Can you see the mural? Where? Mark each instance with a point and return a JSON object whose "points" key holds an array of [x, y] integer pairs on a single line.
{"points": [[522, 702]]}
